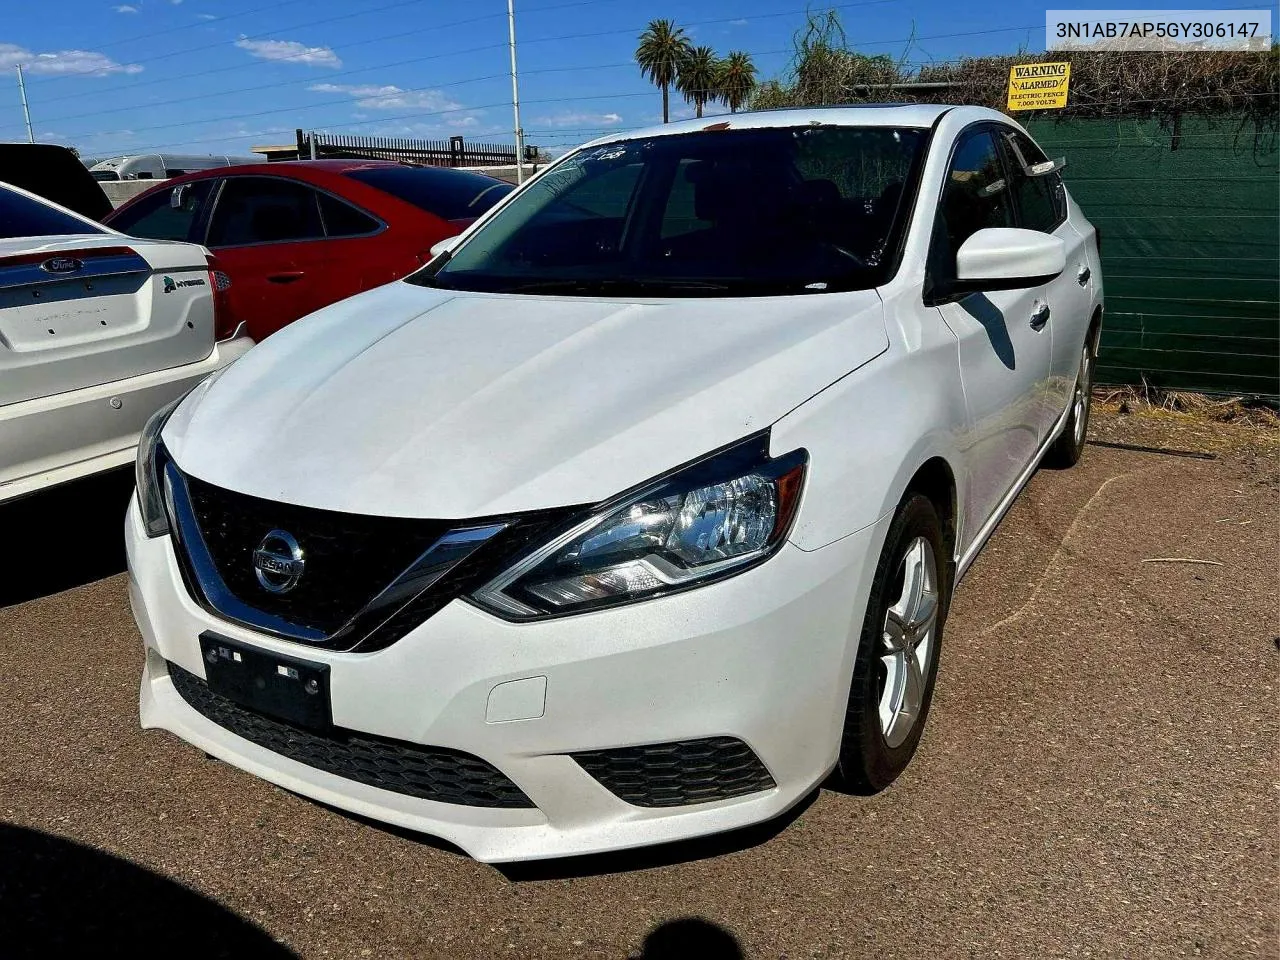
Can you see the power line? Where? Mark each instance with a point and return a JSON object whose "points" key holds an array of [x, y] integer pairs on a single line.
{"points": [[253, 36], [434, 27], [404, 33], [440, 86], [205, 22], [621, 130]]}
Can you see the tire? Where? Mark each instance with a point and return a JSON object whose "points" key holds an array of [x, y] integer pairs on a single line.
{"points": [[874, 749], [1069, 447]]}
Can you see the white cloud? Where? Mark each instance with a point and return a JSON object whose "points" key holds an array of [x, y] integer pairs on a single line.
{"points": [[205, 16], [125, 8], [579, 120], [87, 63], [290, 51], [390, 97], [738, 23]]}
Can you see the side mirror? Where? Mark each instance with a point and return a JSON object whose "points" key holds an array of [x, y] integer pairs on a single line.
{"points": [[1008, 258], [443, 246]]}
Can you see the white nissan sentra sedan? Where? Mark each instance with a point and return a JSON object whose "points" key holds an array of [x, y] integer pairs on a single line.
{"points": [[638, 511]]}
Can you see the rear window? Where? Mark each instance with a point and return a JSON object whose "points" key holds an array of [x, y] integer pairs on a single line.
{"points": [[21, 216], [449, 194], [54, 173]]}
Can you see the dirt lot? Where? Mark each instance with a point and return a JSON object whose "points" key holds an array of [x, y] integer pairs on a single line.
{"points": [[1098, 777]]}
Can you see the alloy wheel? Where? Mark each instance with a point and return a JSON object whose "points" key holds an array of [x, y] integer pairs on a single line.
{"points": [[1084, 393], [908, 639]]}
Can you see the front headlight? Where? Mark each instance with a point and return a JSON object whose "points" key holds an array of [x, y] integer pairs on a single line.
{"points": [[147, 472], [716, 517]]}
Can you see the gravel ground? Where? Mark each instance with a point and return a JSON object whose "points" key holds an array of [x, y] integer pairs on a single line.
{"points": [[1098, 777]]}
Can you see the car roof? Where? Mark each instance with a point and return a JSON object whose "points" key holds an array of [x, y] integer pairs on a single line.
{"points": [[918, 115], [304, 169]]}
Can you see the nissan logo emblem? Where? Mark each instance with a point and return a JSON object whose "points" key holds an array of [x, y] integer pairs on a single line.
{"points": [[278, 562]]}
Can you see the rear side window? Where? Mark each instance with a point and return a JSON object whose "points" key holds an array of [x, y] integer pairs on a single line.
{"points": [[165, 214], [1041, 203], [449, 194], [21, 216], [343, 220], [264, 210]]}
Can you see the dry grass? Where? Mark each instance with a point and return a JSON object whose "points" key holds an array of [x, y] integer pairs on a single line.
{"points": [[1148, 399]]}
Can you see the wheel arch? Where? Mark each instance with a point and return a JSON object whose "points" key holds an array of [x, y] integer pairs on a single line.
{"points": [[936, 480]]}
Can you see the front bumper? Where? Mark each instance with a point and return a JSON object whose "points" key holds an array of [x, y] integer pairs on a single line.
{"points": [[764, 657], [54, 439]]}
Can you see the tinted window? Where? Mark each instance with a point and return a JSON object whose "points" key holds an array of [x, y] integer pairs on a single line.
{"points": [[449, 194], [343, 220], [22, 216], [755, 212], [264, 210], [55, 174], [156, 217], [1041, 203], [976, 193]]}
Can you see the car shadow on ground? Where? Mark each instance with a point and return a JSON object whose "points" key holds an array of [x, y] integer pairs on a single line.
{"points": [[61, 538], [60, 898], [690, 938]]}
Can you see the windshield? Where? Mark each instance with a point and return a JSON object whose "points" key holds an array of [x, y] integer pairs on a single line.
{"points": [[713, 213]]}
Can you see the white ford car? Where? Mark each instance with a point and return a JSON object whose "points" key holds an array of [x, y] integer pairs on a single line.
{"points": [[637, 512], [98, 331]]}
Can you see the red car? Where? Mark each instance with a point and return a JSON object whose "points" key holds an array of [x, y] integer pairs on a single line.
{"points": [[295, 237]]}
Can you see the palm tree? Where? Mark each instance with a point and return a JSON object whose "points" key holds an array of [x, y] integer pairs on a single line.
{"points": [[663, 48], [737, 80], [698, 76]]}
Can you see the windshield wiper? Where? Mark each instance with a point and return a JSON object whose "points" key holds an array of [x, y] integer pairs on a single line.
{"points": [[618, 287]]}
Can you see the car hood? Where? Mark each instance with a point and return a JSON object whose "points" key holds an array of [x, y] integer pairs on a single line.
{"points": [[414, 402]]}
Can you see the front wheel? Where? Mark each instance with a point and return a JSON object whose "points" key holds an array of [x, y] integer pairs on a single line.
{"points": [[1068, 448], [898, 651]]}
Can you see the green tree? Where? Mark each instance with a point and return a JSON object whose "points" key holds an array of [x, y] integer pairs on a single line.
{"points": [[737, 80], [662, 51], [698, 76]]}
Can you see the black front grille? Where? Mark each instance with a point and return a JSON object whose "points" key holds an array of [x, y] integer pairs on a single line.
{"points": [[679, 773], [430, 773], [357, 591], [350, 559]]}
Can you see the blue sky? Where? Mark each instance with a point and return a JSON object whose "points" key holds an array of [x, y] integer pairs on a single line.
{"points": [[217, 76]]}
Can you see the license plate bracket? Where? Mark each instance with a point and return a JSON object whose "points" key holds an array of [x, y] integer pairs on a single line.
{"points": [[274, 684]]}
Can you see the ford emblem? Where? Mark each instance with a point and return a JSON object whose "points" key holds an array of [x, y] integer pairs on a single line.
{"points": [[62, 265]]}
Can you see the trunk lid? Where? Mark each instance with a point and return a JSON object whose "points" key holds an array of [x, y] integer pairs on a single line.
{"points": [[78, 311]]}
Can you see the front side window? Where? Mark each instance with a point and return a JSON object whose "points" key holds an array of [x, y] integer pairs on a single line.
{"points": [[976, 194], [730, 212], [22, 216], [165, 214], [264, 210]]}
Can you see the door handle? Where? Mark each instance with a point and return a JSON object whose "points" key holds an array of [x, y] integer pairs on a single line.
{"points": [[1083, 274], [1040, 316], [289, 276]]}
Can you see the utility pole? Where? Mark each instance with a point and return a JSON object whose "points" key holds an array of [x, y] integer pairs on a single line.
{"points": [[515, 92], [26, 111]]}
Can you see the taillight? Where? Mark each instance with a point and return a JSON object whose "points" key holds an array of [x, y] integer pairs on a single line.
{"points": [[224, 319]]}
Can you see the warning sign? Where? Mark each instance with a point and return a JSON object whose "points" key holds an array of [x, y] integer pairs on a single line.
{"points": [[1039, 86]]}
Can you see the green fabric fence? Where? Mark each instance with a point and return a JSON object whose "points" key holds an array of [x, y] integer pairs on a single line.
{"points": [[1190, 248]]}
